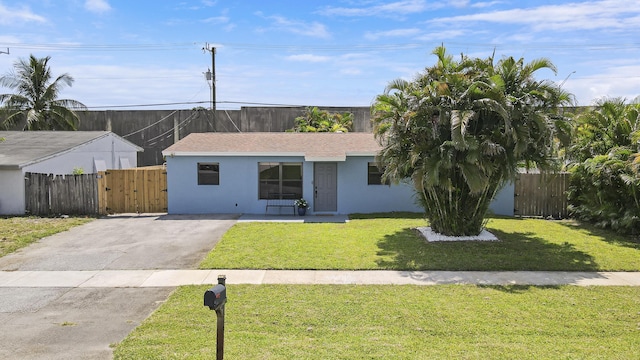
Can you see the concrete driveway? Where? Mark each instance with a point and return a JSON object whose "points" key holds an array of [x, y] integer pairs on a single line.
{"points": [[82, 323]]}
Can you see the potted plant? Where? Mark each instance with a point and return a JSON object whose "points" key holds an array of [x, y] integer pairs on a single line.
{"points": [[302, 206]]}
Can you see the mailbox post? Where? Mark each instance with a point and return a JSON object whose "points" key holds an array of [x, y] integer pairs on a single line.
{"points": [[215, 298]]}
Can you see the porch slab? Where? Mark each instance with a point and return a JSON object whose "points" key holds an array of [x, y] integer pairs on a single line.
{"points": [[294, 218]]}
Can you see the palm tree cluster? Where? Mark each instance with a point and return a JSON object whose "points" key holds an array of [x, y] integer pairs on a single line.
{"points": [[605, 171], [34, 105], [460, 130], [316, 120]]}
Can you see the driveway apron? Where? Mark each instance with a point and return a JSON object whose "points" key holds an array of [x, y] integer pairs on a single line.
{"points": [[83, 323]]}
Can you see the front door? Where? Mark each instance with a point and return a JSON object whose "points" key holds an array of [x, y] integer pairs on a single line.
{"points": [[325, 181]]}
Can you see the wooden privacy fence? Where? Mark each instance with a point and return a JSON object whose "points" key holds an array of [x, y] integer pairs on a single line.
{"points": [[140, 190], [543, 195], [47, 194]]}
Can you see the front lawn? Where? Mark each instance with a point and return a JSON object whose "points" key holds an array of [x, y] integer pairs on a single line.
{"points": [[20, 231], [390, 242], [271, 322]]}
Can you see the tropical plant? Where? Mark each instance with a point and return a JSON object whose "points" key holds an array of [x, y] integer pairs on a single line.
{"points": [[462, 128], [78, 171], [605, 190], [316, 120], [35, 104], [612, 123], [605, 174]]}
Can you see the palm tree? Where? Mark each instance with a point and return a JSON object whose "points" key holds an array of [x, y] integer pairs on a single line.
{"points": [[35, 104], [612, 123], [461, 129], [605, 173], [316, 120]]}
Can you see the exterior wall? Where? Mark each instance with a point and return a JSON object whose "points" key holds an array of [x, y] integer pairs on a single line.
{"points": [[11, 192], [238, 189], [237, 192], [503, 203], [109, 149], [355, 196]]}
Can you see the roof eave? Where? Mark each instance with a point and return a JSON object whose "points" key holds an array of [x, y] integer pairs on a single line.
{"points": [[233, 154]]}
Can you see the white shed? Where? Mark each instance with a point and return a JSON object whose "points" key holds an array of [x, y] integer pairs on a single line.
{"points": [[59, 153]]}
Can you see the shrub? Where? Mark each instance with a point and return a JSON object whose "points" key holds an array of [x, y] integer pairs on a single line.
{"points": [[604, 190]]}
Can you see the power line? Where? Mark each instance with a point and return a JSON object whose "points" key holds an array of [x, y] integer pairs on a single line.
{"points": [[148, 126], [319, 48], [103, 47], [146, 105]]}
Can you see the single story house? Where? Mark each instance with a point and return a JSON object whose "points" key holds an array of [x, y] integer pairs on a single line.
{"points": [[247, 172], [58, 153]]}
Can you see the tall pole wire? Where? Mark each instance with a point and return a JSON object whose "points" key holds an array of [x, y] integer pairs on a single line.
{"points": [[212, 50]]}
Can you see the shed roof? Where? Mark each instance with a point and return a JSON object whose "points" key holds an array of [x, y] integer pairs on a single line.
{"points": [[313, 146], [22, 148]]}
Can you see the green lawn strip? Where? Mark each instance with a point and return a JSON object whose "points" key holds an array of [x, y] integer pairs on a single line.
{"points": [[395, 322], [391, 243], [18, 232]]}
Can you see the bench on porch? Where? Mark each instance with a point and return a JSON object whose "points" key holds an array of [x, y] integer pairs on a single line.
{"points": [[281, 201]]}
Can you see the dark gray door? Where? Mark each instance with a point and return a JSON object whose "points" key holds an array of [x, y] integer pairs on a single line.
{"points": [[325, 181]]}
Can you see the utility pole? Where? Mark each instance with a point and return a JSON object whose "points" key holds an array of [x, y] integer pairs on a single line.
{"points": [[211, 75]]}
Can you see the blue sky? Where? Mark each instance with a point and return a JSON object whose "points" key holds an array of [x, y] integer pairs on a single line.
{"points": [[327, 53]]}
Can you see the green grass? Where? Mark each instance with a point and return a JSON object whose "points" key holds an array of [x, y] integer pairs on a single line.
{"points": [[395, 322], [18, 232], [390, 242]]}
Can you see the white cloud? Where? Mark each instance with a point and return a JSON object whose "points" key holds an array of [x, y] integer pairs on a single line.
{"points": [[314, 29], [14, 15], [613, 14], [216, 20], [351, 71], [485, 4], [614, 81], [9, 39], [442, 35], [308, 58], [405, 7], [391, 33], [459, 3], [99, 85], [97, 6]]}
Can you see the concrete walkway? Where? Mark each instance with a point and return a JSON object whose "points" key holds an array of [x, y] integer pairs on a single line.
{"points": [[172, 278]]}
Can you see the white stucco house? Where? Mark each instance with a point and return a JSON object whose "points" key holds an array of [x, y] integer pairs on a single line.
{"points": [[58, 153], [245, 172]]}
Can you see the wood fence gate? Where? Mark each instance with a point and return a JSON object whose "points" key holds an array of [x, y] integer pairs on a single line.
{"points": [[541, 195], [47, 194], [140, 190]]}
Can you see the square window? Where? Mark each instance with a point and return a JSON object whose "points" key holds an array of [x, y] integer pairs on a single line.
{"points": [[280, 180], [374, 174], [208, 174]]}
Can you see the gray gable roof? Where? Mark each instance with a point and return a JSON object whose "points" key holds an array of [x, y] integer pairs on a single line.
{"points": [[21, 148]]}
